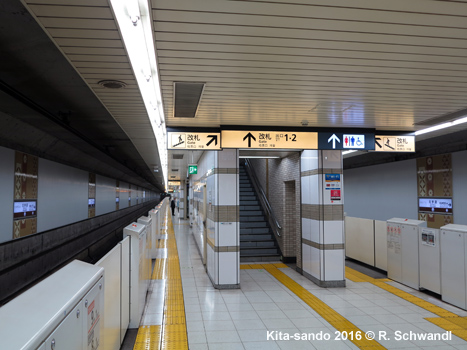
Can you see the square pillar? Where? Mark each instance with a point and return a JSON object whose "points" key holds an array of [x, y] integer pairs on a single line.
{"points": [[223, 221], [323, 253]]}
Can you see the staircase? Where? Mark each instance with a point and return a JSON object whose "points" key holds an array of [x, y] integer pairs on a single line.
{"points": [[257, 242]]}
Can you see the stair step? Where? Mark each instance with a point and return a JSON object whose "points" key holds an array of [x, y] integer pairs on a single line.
{"points": [[249, 224], [257, 237], [252, 219], [244, 219], [248, 259], [254, 231], [258, 252], [249, 207], [250, 213], [259, 244]]}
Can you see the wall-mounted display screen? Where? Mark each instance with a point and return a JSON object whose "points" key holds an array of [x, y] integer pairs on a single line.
{"points": [[117, 199], [435, 205], [24, 209], [91, 202]]}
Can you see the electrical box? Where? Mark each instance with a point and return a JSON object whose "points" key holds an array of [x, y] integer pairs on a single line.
{"points": [[453, 269], [140, 269], [430, 260], [402, 247], [64, 311]]}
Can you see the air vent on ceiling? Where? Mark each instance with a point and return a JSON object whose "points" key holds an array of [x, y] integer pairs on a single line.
{"points": [[175, 170], [112, 84], [177, 156], [172, 176], [186, 99]]}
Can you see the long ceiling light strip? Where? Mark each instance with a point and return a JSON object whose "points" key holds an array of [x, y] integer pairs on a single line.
{"points": [[134, 20], [441, 126], [348, 152]]}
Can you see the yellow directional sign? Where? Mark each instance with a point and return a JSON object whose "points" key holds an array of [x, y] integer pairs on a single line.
{"points": [[269, 139], [194, 140], [385, 143]]}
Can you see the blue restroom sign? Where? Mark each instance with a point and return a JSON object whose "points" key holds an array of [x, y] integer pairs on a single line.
{"points": [[344, 141], [354, 141]]}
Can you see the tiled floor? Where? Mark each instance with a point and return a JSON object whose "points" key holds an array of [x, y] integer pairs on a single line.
{"points": [[242, 318]]}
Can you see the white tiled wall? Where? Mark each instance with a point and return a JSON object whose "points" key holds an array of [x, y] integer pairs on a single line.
{"points": [[228, 270], [309, 160], [325, 265], [316, 263], [306, 258], [334, 265], [228, 189], [228, 234], [334, 232]]}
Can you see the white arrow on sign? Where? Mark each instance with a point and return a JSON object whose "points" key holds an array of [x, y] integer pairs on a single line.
{"points": [[334, 138]]}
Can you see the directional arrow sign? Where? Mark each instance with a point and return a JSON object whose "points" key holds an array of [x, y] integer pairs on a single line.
{"points": [[334, 138], [249, 136], [213, 138], [377, 143], [401, 143], [193, 140], [269, 139]]}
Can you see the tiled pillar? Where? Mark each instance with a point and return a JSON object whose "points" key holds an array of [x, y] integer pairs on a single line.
{"points": [[181, 197], [223, 221], [323, 255]]}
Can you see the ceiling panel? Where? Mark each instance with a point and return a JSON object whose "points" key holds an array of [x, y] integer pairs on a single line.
{"points": [[339, 63], [85, 31]]}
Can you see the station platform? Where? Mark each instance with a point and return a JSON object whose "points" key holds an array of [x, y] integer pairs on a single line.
{"points": [[277, 308]]}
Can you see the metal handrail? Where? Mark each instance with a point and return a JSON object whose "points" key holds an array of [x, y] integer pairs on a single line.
{"points": [[263, 198]]}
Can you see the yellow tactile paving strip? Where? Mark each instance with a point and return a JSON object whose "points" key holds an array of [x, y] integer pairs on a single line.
{"points": [[338, 321], [148, 338], [447, 320], [172, 334], [260, 266]]}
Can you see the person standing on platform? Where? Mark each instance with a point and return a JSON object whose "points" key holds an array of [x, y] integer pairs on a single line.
{"points": [[172, 205]]}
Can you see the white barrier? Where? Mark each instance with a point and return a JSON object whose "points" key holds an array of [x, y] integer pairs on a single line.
{"points": [[366, 241], [125, 288], [78, 287], [381, 245], [64, 311], [360, 240], [110, 332]]}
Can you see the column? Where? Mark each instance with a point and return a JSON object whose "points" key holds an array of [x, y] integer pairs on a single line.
{"points": [[323, 254], [181, 197], [223, 224]]}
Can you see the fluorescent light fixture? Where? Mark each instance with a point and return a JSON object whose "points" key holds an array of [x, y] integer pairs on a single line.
{"points": [[260, 157], [134, 21], [433, 128], [442, 126], [347, 152]]}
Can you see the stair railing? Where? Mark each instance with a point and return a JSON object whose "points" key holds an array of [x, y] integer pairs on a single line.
{"points": [[263, 199]]}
